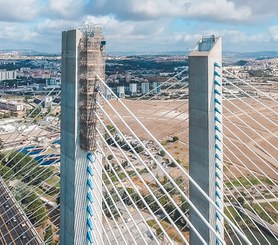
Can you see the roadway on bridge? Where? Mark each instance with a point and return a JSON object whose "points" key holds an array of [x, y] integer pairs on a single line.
{"points": [[14, 229]]}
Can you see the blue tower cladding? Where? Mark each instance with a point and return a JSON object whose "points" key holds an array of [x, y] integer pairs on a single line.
{"points": [[218, 146], [91, 160]]}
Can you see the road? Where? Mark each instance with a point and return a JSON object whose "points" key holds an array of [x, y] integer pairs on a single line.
{"points": [[259, 221], [267, 200], [14, 228]]}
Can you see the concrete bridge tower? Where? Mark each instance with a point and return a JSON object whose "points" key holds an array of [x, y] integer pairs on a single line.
{"points": [[205, 135], [81, 166]]}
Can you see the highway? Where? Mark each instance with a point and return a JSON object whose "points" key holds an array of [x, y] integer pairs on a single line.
{"points": [[14, 228]]}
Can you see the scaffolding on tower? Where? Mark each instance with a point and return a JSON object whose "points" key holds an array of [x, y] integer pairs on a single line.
{"points": [[91, 66]]}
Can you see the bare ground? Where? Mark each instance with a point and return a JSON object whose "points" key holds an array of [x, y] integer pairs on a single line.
{"points": [[250, 138]]}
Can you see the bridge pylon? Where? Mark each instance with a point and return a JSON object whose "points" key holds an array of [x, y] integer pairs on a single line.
{"points": [[81, 203], [205, 136]]}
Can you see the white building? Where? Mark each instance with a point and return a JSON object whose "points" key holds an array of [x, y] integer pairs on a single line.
{"points": [[156, 88], [7, 75], [108, 94], [133, 88], [121, 91], [145, 88], [8, 128], [48, 101]]}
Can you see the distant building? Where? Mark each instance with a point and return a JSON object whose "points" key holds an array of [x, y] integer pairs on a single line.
{"points": [[53, 81], [133, 88], [121, 91], [39, 73], [11, 105], [128, 78], [108, 94], [165, 74], [145, 88], [156, 87], [7, 128], [7, 75], [47, 101]]}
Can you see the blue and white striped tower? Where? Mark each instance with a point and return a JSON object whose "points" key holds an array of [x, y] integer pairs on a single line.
{"points": [[218, 110], [205, 136], [90, 198]]}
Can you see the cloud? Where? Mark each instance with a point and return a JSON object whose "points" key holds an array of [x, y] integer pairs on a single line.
{"points": [[218, 10], [52, 26], [179, 37], [208, 10], [273, 30], [67, 9], [261, 9], [18, 10], [19, 36], [238, 37], [215, 10], [140, 24], [12, 32], [129, 34]]}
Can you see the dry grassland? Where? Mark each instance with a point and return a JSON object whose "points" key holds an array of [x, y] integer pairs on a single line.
{"points": [[250, 139]]}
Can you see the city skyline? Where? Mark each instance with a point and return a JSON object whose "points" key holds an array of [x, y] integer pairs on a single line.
{"points": [[142, 26]]}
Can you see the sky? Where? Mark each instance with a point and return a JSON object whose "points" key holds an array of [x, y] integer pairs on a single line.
{"points": [[142, 25]]}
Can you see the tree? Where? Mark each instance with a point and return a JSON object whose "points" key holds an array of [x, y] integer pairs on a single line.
{"points": [[14, 114], [169, 207], [1, 144], [6, 171], [48, 234], [109, 207], [172, 164], [152, 203], [175, 138], [49, 108], [139, 148], [241, 200], [184, 207], [162, 153], [165, 180], [34, 113], [111, 129], [21, 191], [22, 164], [38, 212], [58, 199], [169, 187], [53, 190], [179, 180], [157, 176], [6, 115], [27, 97], [125, 164], [27, 197], [110, 157]]}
